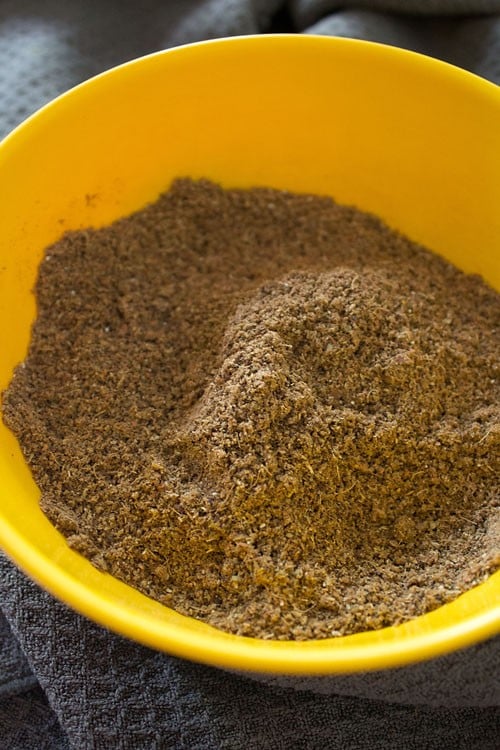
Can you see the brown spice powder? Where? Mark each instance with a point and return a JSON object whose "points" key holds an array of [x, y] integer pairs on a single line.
{"points": [[266, 410]]}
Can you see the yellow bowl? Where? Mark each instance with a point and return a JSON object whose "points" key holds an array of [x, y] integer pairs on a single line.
{"points": [[409, 138]]}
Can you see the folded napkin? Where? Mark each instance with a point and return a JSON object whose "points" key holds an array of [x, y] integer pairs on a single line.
{"points": [[107, 692], [67, 683]]}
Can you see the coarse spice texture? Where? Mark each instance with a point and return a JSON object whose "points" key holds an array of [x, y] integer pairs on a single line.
{"points": [[266, 410]]}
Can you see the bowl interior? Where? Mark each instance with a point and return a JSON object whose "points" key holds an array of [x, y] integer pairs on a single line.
{"points": [[411, 139]]}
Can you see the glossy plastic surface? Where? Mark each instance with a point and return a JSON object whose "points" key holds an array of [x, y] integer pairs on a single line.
{"points": [[411, 139]]}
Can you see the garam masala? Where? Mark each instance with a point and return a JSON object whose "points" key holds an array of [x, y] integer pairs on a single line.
{"points": [[266, 410]]}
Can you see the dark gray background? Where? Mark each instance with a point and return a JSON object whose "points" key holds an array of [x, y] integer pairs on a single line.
{"points": [[65, 682]]}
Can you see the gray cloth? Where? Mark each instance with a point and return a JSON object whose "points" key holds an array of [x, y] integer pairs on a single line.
{"points": [[109, 693], [47, 47], [65, 682]]}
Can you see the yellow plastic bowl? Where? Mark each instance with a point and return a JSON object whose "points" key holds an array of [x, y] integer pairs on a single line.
{"points": [[409, 138]]}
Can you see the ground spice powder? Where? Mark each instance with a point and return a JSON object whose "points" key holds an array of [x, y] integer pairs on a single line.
{"points": [[266, 410]]}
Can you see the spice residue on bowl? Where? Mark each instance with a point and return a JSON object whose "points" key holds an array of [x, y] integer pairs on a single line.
{"points": [[266, 410]]}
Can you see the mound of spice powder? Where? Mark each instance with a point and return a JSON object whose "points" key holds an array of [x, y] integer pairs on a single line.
{"points": [[266, 410]]}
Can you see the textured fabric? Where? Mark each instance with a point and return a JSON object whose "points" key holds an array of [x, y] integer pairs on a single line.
{"points": [[47, 47], [468, 678], [472, 43], [16, 675], [65, 682], [26, 719], [109, 693], [307, 12]]}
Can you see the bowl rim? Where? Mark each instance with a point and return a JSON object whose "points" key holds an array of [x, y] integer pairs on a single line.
{"points": [[209, 645], [473, 79]]}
